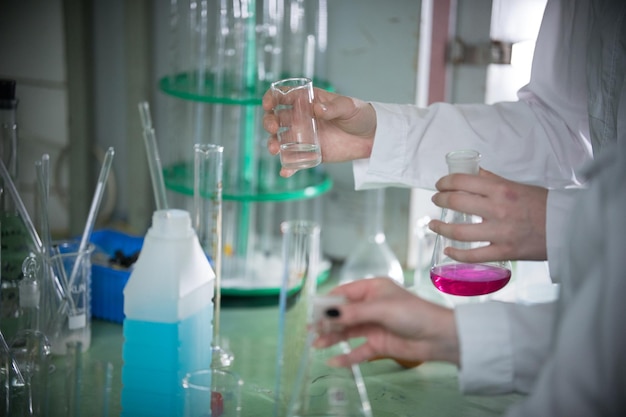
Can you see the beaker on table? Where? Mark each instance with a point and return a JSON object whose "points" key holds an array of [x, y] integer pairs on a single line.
{"points": [[462, 278]]}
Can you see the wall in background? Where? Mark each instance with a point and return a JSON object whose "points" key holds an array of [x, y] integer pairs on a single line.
{"points": [[372, 54], [33, 53]]}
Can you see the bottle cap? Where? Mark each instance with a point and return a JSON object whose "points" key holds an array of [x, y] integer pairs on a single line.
{"points": [[7, 94], [463, 162], [172, 223]]}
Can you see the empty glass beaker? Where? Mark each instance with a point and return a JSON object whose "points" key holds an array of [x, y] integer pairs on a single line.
{"points": [[460, 278]]}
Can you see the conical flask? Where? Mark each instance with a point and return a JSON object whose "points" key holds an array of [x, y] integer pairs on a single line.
{"points": [[458, 278], [373, 257]]}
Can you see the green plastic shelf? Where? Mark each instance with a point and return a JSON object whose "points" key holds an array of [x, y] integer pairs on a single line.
{"points": [[303, 184], [185, 86], [308, 183]]}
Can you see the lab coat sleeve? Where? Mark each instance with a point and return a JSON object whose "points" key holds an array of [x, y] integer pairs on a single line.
{"points": [[559, 207], [503, 345], [521, 141], [540, 139]]}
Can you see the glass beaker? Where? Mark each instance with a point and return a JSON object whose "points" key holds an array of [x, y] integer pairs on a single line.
{"points": [[460, 278], [71, 319], [212, 392], [297, 134]]}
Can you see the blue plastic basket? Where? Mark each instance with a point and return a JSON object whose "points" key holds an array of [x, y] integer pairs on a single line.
{"points": [[107, 282]]}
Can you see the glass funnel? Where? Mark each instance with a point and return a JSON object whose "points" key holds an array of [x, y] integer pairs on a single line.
{"points": [[373, 257], [458, 278]]}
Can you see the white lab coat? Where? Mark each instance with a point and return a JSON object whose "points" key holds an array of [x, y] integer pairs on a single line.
{"points": [[541, 139], [584, 373]]}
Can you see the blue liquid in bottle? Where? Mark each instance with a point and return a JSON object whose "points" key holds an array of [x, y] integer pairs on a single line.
{"points": [[168, 326], [156, 358]]}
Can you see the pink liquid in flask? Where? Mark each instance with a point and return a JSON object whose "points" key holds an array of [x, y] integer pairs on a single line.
{"points": [[469, 279]]}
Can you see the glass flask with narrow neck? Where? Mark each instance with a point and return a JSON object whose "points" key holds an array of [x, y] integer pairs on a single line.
{"points": [[462, 278], [372, 256]]}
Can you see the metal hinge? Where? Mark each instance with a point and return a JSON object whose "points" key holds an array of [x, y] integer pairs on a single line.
{"points": [[493, 52]]}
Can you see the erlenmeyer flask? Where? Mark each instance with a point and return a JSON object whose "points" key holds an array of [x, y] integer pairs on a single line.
{"points": [[457, 278], [373, 257]]}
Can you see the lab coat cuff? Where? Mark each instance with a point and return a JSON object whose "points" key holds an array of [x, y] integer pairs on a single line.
{"points": [[389, 150], [558, 209], [486, 350]]}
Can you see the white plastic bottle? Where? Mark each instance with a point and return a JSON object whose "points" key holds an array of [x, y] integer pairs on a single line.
{"points": [[168, 311]]}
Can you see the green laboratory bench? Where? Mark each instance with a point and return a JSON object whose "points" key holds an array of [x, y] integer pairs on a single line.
{"points": [[430, 389]]}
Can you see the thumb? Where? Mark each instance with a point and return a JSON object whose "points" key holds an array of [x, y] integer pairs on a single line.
{"points": [[332, 109]]}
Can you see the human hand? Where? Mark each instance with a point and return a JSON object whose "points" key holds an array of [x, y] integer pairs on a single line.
{"points": [[514, 217], [394, 322], [345, 125]]}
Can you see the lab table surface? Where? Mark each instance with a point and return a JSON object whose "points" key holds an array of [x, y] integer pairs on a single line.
{"points": [[250, 332]]}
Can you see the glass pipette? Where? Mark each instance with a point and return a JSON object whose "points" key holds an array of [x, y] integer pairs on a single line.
{"points": [[91, 220], [154, 160]]}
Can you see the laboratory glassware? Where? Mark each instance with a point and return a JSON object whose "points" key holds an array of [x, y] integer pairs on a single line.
{"points": [[154, 160], [76, 279], [207, 222], [168, 311], [80, 387], [213, 392], [52, 290], [15, 233], [224, 55], [30, 293], [322, 390], [297, 131], [71, 320], [461, 278], [372, 256], [11, 377], [300, 253], [31, 351]]}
